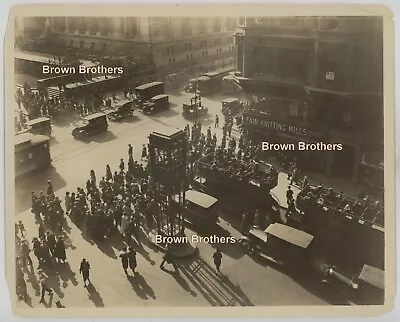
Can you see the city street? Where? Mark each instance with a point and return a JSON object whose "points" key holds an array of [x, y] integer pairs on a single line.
{"points": [[243, 280]]}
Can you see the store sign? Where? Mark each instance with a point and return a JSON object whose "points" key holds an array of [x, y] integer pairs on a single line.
{"points": [[330, 76], [253, 121]]}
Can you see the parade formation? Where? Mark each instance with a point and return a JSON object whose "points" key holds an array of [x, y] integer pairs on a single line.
{"points": [[227, 211]]}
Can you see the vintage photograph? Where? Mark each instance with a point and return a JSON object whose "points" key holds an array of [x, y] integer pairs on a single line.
{"points": [[198, 161]]}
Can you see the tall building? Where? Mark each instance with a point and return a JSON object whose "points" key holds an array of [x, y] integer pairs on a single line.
{"points": [[317, 78], [173, 42]]}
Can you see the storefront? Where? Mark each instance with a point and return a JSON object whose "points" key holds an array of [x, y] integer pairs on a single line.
{"points": [[287, 135]]}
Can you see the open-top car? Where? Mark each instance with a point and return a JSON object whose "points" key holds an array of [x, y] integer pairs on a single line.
{"points": [[90, 125], [120, 111], [231, 106]]}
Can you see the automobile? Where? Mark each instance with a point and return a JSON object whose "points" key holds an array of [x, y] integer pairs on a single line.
{"points": [[120, 111], [90, 125], [201, 209], [156, 104], [145, 92], [191, 85], [280, 244], [231, 106], [40, 126], [193, 111]]}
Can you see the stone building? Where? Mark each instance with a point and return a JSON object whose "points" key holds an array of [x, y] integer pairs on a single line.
{"points": [[174, 43], [322, 76]]}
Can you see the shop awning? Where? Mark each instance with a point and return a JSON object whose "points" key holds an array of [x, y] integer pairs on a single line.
{"points": [[373, 160]]}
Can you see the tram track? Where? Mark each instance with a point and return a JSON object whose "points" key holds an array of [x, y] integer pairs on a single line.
{"points": [[78, 148]]}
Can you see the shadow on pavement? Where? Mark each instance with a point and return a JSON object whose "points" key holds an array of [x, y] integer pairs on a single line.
{"points": [[181, 281], [66, 274], [217, 289], [141, 287], [94, 295], [35, 182]]}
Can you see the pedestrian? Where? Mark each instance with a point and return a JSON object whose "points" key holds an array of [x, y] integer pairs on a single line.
{"points": [[51, 243], [84, 269], [132, 259], [50, 190], [217, 259], [289, 194], [305, 182], [122, 165], [59, 250], [41, 231], [25, 249], [43, 278], [144, 152], [216, 121], [67, 201], [124, 255], [130, 149], [169, 259], [21, 228]]}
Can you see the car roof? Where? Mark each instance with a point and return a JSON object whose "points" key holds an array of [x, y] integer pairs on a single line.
{"points": [[148, 85], [374, 276], [201, 199], [159, 96], [204, 78], [38, 120], [290, 234], [94, 116], [25, 138], [230, 100]]}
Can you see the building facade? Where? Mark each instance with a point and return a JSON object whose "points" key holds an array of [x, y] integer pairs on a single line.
{"points": [[322, 75], [174, 43]]}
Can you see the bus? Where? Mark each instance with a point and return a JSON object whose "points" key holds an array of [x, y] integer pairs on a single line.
{"points": [[32, 152], [210, 83], [145, 92]]}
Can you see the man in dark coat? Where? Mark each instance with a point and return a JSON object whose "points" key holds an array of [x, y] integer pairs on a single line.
{"points": [[124, 260], [59, 251], [84, 269], [217, 259], [132, 259], [169, 259]]}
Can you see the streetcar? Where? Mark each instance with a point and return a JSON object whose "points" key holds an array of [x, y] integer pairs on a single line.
{"points": [[32, 152]]}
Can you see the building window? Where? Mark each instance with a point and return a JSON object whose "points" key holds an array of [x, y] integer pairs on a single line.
{"points": [[92, 45], [206, 53], [82, 44], [191, 56], [187, 57]]}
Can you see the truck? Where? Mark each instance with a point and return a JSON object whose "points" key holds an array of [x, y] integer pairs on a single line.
{"points": [[147, 91]]}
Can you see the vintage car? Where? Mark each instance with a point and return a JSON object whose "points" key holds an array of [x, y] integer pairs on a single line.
{"points": [[90, 125], [191, 86], [120, 111], [156, 104], [201, 210], [279, 243], [193, 111], [40, 126], [231, 106]]}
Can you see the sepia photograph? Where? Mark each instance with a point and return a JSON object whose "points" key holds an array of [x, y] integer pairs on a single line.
{"points": [[233, 160]]}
